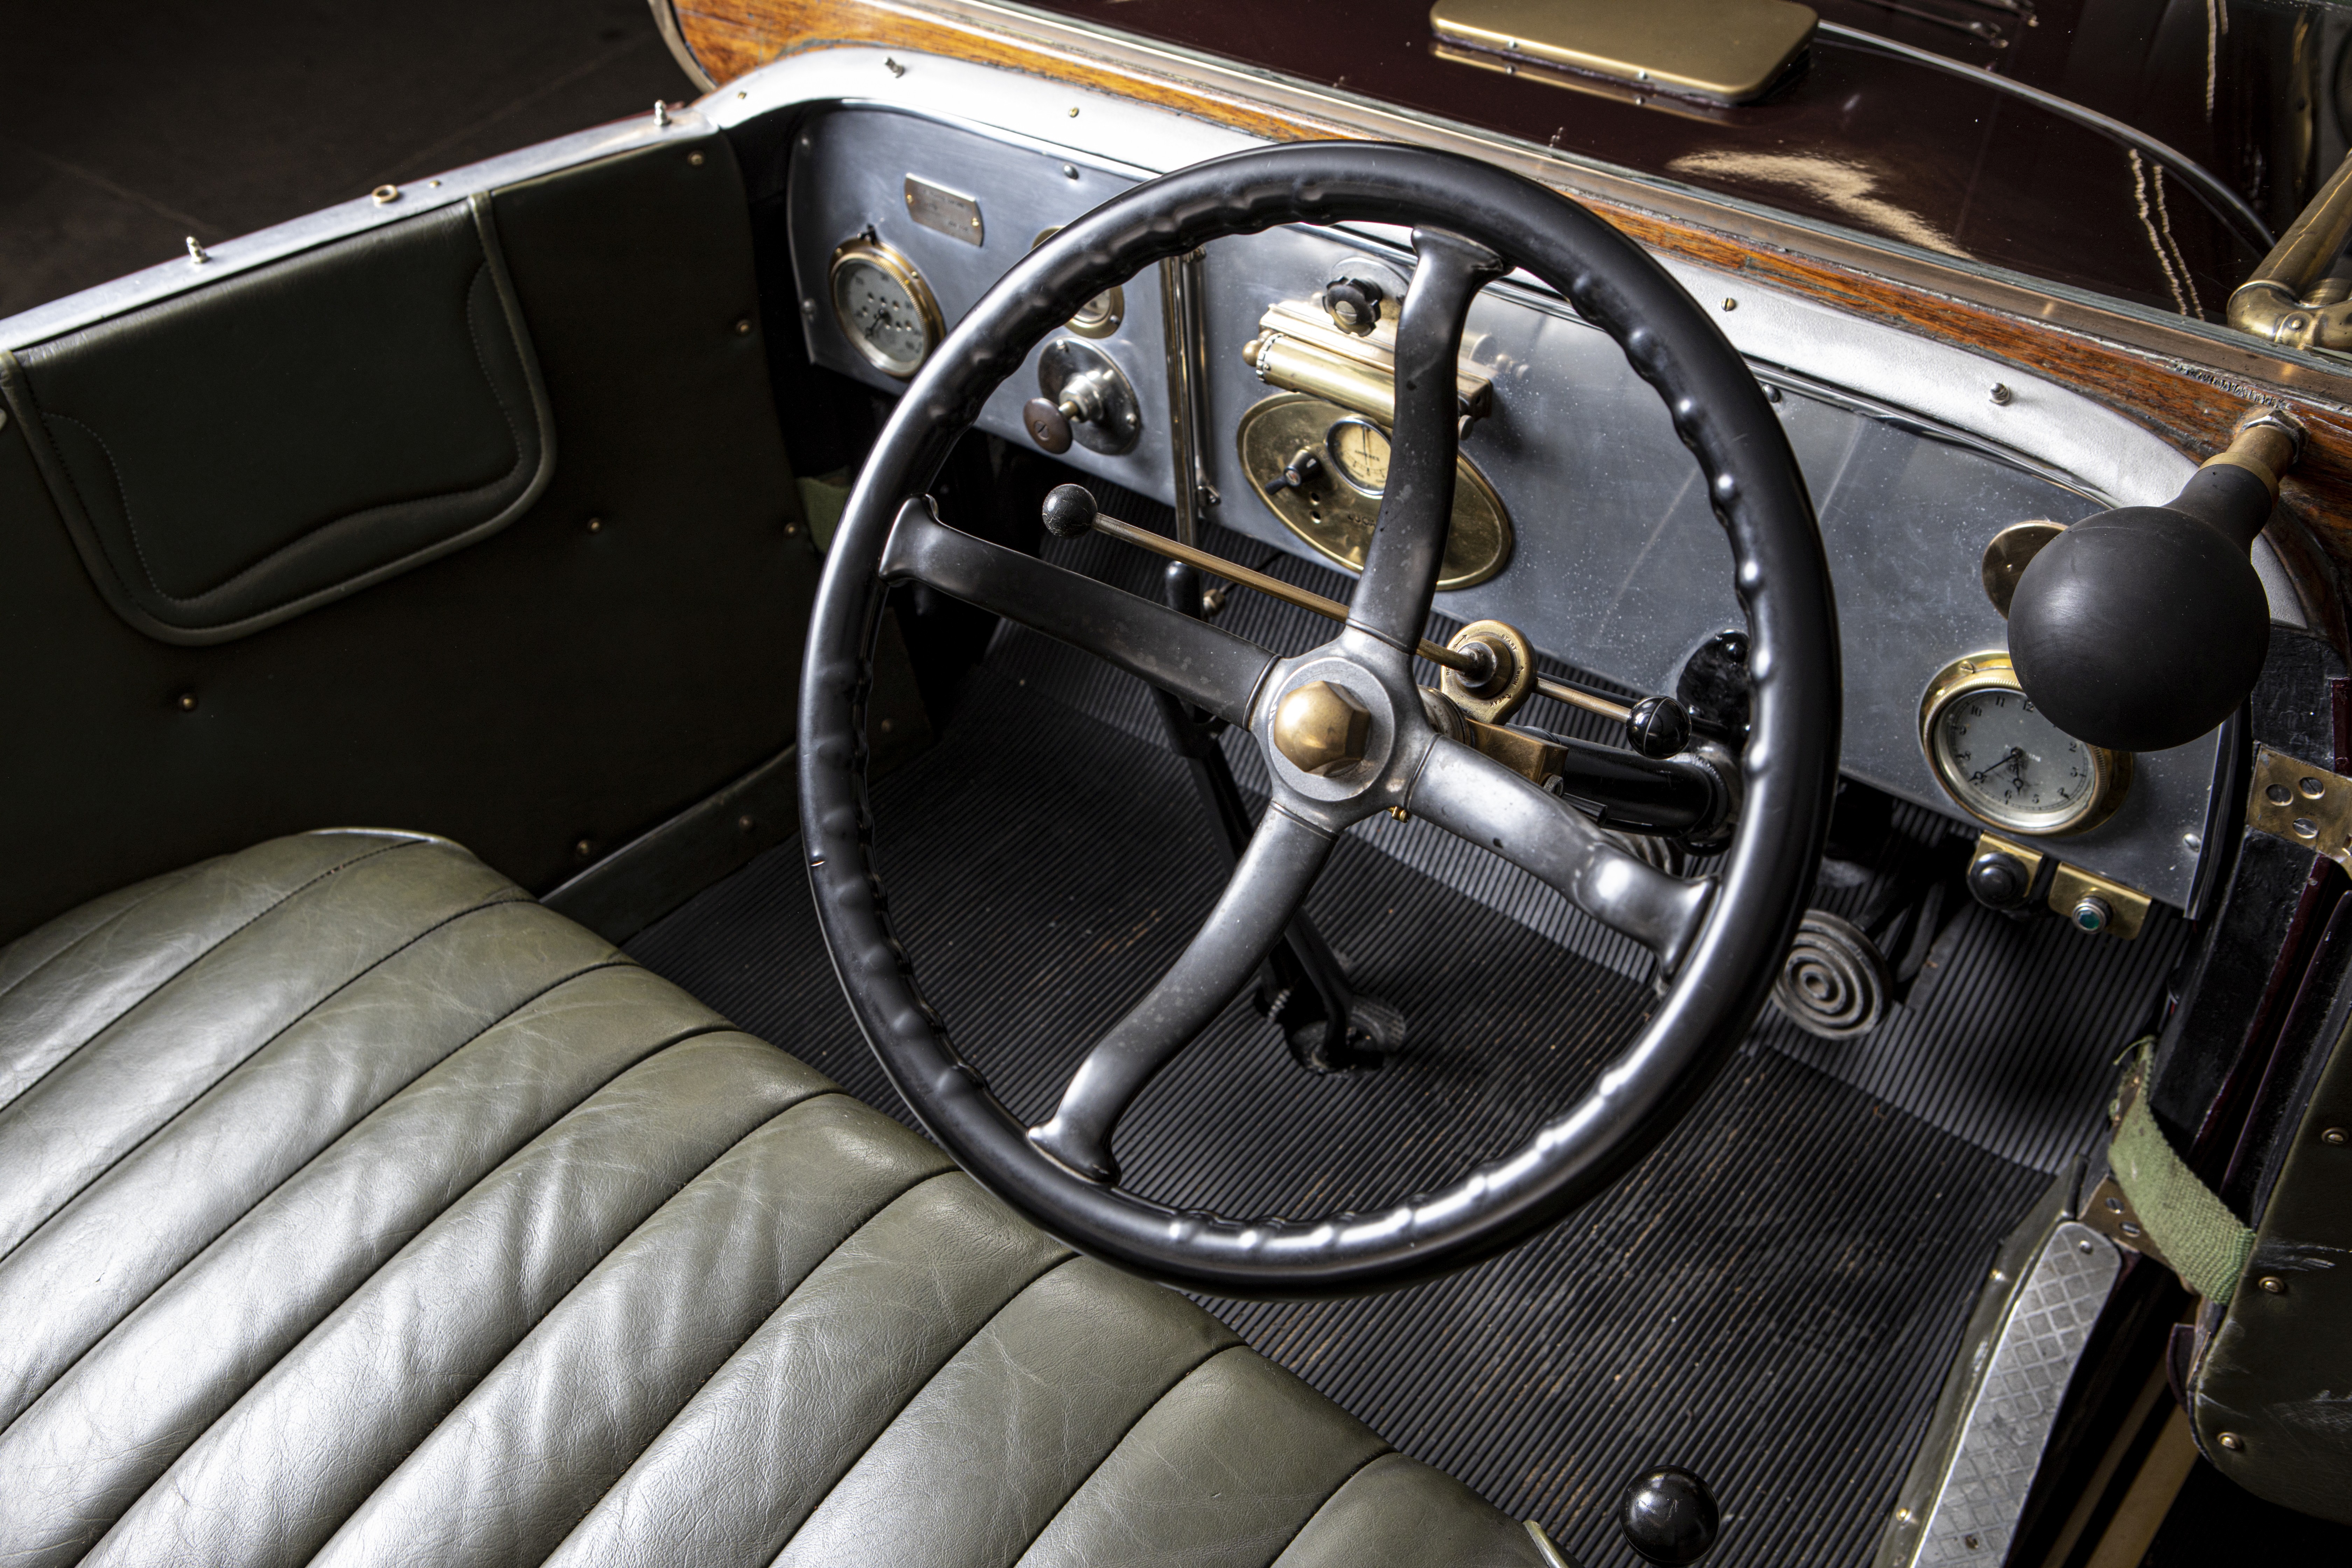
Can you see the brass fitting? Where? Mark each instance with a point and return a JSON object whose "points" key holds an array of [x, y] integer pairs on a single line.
{"points": [[1321, 728]]}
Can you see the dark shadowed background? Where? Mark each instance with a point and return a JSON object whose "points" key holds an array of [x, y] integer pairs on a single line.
{"points": [[131, 124]]}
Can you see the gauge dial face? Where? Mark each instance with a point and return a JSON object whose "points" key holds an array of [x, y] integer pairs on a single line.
{"points": [[1997, 756], [884, 308], [1361, 452]]}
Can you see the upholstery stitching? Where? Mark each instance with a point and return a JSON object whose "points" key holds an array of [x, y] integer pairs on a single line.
{"points": [[916, 1393], [498, 398], [1111, 1452], [156, 890], [263, 1373], [223, 941], [1316, 1511], [122, 496], [765, 1319], [1133, 1422], [199, 1254], [401, 1463], [512, 896]]}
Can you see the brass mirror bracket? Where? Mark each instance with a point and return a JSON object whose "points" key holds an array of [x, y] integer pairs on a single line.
{"points": [[2299, 297]]}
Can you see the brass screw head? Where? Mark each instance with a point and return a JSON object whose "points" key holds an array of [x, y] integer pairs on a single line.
{"points": [[2232, 1441], [1321, 728], [2273, 1285], [2336, 1135]]}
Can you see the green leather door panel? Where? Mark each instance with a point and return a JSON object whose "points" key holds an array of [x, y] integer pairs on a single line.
{"points": [[563, 677]]}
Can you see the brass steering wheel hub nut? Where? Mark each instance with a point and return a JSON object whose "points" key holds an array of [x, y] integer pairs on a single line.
{"points": [[1323, 729]]}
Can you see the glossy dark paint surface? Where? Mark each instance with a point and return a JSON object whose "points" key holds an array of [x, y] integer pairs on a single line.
{"points": [[1862, 136]]}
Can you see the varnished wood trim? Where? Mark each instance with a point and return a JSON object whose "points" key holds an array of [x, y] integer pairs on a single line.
{"points": [[2189, 387]]}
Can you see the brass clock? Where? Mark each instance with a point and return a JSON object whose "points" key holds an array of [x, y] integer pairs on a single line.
{"points": [[2004, 762], [882, 306]]}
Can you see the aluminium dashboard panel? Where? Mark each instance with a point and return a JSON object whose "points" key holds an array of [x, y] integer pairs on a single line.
{"points": [[1621, 568]]}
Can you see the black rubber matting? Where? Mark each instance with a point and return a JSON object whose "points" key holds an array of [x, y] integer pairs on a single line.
{"points": [[1772, 1299]]}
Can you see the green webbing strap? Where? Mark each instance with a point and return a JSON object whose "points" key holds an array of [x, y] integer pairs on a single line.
{"points": [[2195, 1230]]}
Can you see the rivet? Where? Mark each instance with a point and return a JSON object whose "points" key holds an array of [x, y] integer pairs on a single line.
{"points": [[1074, 111], [791, 529], [1771, 395], [1972, 1543], [894, 68], [2272, 1285], [1399, 812], [2002, 396], [595, 525], [808, 308], [743, 327], [886, 726], [744, 823], [384, 195], [1730, 304], [2336, 1135], [197, 254], [1903, 1515], [745, 94], [2000, 1277], [2084, 1247], [432, 184], [2312, 789], [695, 159], [185, 701], [2276, 795], [2232, 1441], [1070, 171], [581, 849]]}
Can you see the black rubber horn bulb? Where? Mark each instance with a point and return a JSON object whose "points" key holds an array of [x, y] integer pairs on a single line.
{"points": [[2142, 628], [1669, 1516]]}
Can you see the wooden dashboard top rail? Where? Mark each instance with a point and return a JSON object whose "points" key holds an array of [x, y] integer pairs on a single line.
{"points": [[2188, 387]]}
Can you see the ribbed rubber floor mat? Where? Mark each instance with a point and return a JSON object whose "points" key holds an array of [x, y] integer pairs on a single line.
{"points": [[1772, 1299]]}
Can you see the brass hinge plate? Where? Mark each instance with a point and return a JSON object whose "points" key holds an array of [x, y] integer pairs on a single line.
{"points": [[2293, 800]]}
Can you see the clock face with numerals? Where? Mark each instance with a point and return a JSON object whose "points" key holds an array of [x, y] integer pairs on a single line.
{"points": [[884, 308], [2004, 762]]}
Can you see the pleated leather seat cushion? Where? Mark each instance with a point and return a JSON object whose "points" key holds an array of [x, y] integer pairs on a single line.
{"points": [[354, 1208]]}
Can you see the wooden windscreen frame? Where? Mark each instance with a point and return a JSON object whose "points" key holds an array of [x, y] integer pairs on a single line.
{"points": [[2188, 387]]}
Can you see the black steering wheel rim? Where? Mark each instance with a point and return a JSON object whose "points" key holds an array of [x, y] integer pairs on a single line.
{"points": [[1788, 764]]}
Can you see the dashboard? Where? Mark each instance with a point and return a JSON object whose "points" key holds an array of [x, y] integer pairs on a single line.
{"points": [[1581, 520]]}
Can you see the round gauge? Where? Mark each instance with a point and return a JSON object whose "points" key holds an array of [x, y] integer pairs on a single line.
{"points": [[2004, 762], [1360, 451], [885, 307], [1098, 317]]}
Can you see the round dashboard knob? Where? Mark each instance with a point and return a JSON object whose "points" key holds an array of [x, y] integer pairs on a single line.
{"points": [[1999, 879], [1354, 304], [1658, 727], [1069, 511], [1046, 424], [1669, 1516]]}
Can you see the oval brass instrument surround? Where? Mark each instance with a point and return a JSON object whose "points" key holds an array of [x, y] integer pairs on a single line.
{"points": [[863, 254], [1335, 513]]}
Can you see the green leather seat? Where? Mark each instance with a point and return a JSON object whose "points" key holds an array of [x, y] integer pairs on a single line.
{"points": [[354, 1207]]}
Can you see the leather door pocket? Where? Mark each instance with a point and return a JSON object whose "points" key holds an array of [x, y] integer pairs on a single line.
{"points": [[233, 456]]}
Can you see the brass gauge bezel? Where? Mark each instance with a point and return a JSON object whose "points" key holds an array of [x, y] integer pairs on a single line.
{"points": [[2111, 771], [1333, 515], [865, 247], [1099, 316]]}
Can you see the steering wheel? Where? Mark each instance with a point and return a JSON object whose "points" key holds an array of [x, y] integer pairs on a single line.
{"points": [[1350, 710]]}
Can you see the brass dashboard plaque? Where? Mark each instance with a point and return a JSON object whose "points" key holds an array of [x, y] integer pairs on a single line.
{"points": [[946, 212], [1729, 50], [1336, 500]]}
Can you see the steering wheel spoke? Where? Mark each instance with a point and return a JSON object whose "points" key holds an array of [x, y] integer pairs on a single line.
{"points": [[1477, 798], [1267, 887], [1206, 666], [1392, 601]]}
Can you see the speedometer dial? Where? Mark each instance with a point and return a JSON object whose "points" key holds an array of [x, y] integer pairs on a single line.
{"points": [[2005, 762], [883, 306]]}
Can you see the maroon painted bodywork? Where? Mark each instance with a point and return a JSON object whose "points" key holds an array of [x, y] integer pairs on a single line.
{"points": [[1933, 153]]}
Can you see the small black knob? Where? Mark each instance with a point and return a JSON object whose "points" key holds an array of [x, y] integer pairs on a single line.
{"points": [[1658, 727], [1999, 879], [1669, 1516], [1298, 473], [1354, 304], [1046, 424], [1069, 511]]}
